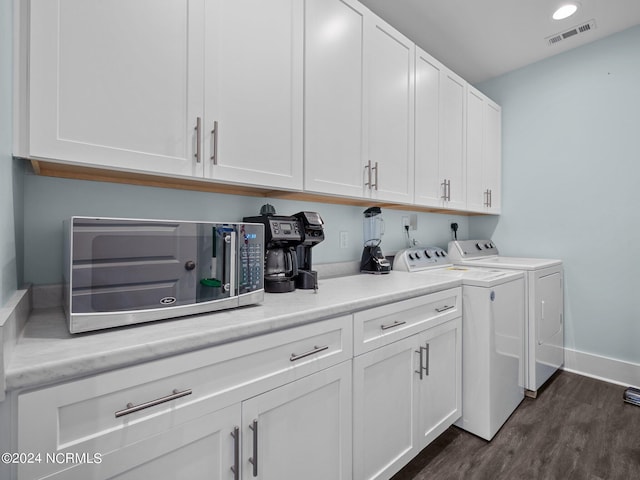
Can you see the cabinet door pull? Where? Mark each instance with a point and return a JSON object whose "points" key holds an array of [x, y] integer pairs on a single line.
{"points": [[375, 185], [254, 459], [131, 408], [421, 369], [449, 190], [444, 190], [198, 130], [445, 308], [315, 350], [368, 167], [214, 132], [426, 368], [490, 198], [236, 453], [391, 325]]}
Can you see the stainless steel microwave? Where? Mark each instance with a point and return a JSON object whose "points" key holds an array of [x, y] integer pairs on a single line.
{"points": [[125, 271]]}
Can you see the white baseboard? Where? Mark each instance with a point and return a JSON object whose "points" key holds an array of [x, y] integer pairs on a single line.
{"points": [[602, 368]]}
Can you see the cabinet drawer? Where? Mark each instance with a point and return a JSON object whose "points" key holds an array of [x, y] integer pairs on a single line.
{"points": [[382, 325], [80, 416]]}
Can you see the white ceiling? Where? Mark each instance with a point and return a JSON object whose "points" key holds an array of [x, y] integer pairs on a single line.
{"points": [[481, 39]]}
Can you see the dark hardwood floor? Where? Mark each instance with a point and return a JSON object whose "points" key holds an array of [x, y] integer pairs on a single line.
{"points": [[578, 428]]}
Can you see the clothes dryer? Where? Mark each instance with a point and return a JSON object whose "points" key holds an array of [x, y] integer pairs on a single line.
{"points": [[492, 336], [544, 300]]}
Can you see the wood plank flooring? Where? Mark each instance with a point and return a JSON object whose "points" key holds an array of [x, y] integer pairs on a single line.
{"points": [[577, 429]]}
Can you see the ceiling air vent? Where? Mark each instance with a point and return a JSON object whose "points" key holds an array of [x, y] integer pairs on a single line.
{"points": [[577, 30]]}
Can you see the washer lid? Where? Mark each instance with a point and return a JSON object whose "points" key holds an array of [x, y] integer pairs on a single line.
{"points": [[515, 263], [480, 277]]}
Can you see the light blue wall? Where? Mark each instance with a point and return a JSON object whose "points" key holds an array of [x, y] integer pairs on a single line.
{"points": [[8, 272], [48, 201], [571, 182]]}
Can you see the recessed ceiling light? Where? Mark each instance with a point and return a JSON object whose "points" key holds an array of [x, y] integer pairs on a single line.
{"points": [[565, 11]]}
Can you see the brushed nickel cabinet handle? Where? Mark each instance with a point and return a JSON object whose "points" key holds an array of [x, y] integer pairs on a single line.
{"points": [[315, 350], [421, 369], [214, 132], [198, 130], [426, 368], [445, 308], [375, 185], [254, 459], [236, 453], [368, 167], [444, 190], [131, 408], [391, 325]]}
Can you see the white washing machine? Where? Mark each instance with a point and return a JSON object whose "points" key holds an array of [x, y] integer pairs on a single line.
{"points": [[492, 337], [544, 300]]}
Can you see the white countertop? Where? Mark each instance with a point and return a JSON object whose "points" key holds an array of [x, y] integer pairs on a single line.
{"points": [[46, 352]]}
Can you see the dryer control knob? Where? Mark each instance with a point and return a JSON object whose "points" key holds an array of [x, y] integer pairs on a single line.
{"points": [[479, 246]]}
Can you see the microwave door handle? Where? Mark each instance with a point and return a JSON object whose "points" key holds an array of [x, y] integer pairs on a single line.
{"points": [[233, 262], [227, 262]]}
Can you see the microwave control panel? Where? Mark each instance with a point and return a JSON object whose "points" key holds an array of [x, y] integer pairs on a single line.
{"points": [[250, 257]]}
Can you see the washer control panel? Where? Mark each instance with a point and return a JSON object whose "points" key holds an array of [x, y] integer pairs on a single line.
{"points": [[468, 249], [420, 258]]}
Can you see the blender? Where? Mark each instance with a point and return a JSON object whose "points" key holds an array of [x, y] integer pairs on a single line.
{"points": [[373, 260]]}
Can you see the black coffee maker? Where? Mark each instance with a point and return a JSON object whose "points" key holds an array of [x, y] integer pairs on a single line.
{"points": [[282, 234], [313, 234]]}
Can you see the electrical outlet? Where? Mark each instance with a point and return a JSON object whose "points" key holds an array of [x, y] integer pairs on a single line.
{"points": [[344, 239], [413, 221], [410, 221]]}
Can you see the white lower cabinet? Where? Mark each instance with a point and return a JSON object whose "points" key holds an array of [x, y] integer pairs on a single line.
{"points": [[288, 405], [178, 414], [405, 395], [200, 449], [301, 430]]}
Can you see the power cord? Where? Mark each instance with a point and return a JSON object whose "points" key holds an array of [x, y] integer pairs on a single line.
{"points": [[454, 227]]}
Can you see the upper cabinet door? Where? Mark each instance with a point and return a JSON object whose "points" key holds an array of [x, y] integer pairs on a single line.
{"points": [[390, 63], [253, 92], [477, 194], [453, 139], [428, 178], [116, 83], [492, 172], [484, 158], [335, 118]]}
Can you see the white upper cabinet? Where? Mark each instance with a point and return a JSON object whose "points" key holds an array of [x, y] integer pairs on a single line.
{"points": [[116, 83], [358, 103], [453, 140], [137, 85], [314, 95], [335, 119], [390, 63], [483, 153], [440, 135], [252, 128], [429, 190], [492, 158]]}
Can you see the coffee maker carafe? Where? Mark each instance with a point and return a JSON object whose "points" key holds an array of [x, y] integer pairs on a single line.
{"points": [[313, 234], [373, 261], [282, 234]]}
